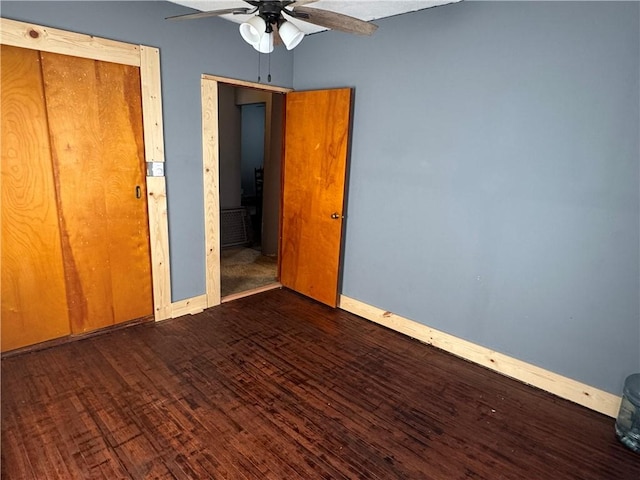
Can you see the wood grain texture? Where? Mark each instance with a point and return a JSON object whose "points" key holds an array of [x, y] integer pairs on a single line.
{"points": [[276, 386], [157, 187], [123, 157], [315, 160], [244, 83], [158, 231], [337, 21], [211, 177], [46, 39], [70, 87], [34, 300], [152, 101], [94, 112], [188, 306]]}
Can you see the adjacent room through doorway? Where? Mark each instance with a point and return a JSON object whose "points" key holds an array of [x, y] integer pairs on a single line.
{"points": [[250, 160]]}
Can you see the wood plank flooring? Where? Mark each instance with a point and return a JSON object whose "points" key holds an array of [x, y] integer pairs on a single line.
{"points": [[276, 386]]}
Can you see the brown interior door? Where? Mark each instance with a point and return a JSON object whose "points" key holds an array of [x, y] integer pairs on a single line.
{"points": [[75, 238], [315, 161], [34, 300]]}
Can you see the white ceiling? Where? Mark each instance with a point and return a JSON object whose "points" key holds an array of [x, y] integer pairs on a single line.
{"points": [[362, 9]]}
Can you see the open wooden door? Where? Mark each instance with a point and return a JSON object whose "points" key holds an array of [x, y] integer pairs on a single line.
{"points": [[314, 171]]}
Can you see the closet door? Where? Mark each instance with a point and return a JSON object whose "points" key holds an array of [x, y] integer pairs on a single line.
{"points": [[34, 300], [95, 122], [75, 250]]}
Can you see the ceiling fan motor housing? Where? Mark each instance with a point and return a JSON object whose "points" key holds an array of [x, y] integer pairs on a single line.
{"points": [[270, 12]]}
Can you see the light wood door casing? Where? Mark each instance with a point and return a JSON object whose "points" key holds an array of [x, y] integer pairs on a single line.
{"points": [[315, 162], [34, 300]]}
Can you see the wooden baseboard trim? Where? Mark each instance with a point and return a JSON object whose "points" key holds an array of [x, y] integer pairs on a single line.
{"points": [[193, 305], [189, 306], [563, 387]]}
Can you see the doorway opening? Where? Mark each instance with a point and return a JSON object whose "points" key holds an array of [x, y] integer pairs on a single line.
{"points": [[250, 151], [308, 240]]}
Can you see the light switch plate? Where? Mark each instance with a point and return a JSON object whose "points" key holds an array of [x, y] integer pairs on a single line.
{"points": [[155, 169]]}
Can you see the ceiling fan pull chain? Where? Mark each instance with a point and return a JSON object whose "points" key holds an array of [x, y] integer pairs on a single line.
{"points": [[258, 67], [269, 75]]}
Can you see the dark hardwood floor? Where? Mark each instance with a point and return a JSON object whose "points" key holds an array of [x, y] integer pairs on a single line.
{"points": [[275, 386]]}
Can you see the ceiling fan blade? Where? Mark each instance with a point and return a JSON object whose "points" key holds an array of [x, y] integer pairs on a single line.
{"points": [[212, 13], [299, 3], [336, 21]]}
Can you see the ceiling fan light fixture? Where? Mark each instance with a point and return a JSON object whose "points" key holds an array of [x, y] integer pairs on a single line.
{"points": [[290, 34], [265, 45], [253, 30]]}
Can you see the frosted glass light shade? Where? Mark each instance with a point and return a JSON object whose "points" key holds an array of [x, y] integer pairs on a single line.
{"points": [[253, 30], [265, 45], [290, 34]]}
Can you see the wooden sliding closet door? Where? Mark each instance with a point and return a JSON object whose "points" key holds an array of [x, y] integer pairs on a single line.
{"points": [[34, 299], [95, 122], [76, 242]]}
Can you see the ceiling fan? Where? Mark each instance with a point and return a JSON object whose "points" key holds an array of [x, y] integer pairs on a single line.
{"points": [[270, 25]]}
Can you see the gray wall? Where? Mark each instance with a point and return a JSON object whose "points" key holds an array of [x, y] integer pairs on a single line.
{"points": [[494, 189], [251, 145], [187, 50]]}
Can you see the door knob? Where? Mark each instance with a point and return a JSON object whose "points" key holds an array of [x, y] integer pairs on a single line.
{"points": [[336, 215]]}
